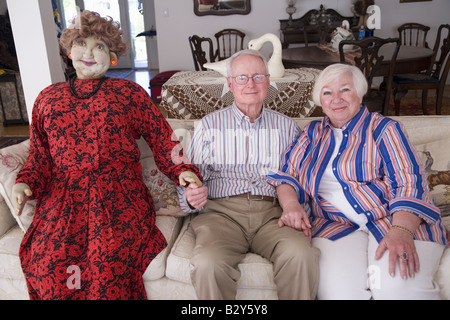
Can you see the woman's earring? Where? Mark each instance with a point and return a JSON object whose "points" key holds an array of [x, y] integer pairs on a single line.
{"points": [[113, 62], [70, 56]]}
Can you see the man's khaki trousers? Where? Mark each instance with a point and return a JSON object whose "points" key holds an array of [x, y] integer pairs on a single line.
{"points": [[228, 228]]}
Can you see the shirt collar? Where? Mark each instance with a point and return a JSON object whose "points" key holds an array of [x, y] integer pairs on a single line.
{"points": [[240, 116], [354, 124]]}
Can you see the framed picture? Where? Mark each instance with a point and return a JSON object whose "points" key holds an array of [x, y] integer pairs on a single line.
{"points": [[402, 1], [221, 7]]}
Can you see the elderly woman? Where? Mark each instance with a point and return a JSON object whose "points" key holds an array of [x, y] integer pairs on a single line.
{"points": [[94, 233], [372, 215]]}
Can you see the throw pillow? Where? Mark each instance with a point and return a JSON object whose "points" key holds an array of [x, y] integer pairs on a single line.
{"points": [[162, 189], [12, 159], [430, 139]]}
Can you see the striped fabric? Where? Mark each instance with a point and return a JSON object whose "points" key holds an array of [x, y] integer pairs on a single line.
{"points": [[234, 155], [378, 169]]}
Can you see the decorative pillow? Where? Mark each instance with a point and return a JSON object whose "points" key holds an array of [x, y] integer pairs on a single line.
{"points": [[162, 189], [430, 138], [12, 159]]}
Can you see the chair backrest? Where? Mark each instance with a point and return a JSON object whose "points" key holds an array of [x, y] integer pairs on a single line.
{"points": [[229, 41], [369, 61], [199, 54], [317, 33], [413, 34], [440, 65]]}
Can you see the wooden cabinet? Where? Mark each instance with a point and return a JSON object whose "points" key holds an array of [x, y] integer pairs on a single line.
{"points": [[313, 27]]}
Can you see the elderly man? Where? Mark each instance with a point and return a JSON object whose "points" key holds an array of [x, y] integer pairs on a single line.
{"points": [[235, 148]]}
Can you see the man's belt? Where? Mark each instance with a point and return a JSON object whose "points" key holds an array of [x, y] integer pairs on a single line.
{"points": [[250, 196]]}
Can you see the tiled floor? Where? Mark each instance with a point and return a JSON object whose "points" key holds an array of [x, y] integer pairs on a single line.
{"points": [[140, 76]]}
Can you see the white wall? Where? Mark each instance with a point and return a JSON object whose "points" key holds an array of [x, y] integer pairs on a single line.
{"points": [[37, 46], [151, 42], [394, 13], [173, 30]]}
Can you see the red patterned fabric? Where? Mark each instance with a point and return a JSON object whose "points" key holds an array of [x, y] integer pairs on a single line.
{"points": [[94, 233]]}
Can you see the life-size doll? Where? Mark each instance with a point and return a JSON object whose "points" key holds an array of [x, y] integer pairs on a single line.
{"points": [[94, 212]]}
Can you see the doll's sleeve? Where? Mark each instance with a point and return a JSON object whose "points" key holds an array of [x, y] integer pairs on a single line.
{"points": [[36, 171], [168, 152]]}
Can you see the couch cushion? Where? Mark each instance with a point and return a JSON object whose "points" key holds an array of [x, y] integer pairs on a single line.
{"points": [[12, 159], [7, 221], [256, 272], [443, 275], [169, 226], [9, 254]]}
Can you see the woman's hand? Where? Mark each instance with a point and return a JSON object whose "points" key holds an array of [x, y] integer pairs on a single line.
{"points": [[295, 216], [399, 241]]}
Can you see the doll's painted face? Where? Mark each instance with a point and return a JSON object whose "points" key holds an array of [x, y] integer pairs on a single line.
{"points": [[90, 57]]}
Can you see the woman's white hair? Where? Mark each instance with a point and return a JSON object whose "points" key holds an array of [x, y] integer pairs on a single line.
{"points": [[248, 52], [334, 71]]}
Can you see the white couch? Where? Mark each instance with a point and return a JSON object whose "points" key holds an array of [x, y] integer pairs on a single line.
{"points": [[168, 277]]}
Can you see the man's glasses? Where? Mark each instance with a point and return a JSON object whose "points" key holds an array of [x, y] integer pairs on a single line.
{"points": [[243, 79]]}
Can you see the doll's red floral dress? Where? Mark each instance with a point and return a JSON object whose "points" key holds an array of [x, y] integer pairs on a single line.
{"points": [[94, 233]]}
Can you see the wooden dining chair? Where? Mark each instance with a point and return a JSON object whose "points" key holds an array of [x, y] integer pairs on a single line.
{"points": [[413, 34], [316, 34], [434, 77], [369, 60], [229, 41], [202, 51]]}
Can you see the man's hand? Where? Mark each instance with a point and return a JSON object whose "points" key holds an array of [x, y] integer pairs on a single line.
{"points": [[196, 196]]}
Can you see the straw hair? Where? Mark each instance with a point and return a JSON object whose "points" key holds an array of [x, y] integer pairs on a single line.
{"points": [[93, 25]]}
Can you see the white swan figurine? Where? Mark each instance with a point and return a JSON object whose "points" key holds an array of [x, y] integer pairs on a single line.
{"points": [[275, 66], [219, 66]]}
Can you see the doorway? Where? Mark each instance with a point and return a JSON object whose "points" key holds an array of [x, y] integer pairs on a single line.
{"points": [[130, 15]]}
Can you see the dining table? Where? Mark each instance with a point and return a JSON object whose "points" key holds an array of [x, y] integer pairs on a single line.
{"points": [[410, 59]]}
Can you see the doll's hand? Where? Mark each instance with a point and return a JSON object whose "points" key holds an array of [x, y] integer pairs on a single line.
{"points": [[189, 177], [20, 193]]}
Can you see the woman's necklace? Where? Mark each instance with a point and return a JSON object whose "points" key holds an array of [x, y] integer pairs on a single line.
{"points": [[88, 95]]}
